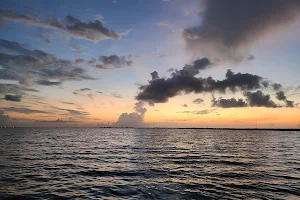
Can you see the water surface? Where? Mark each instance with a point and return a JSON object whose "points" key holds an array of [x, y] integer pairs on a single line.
{"points": [[94, 163]]}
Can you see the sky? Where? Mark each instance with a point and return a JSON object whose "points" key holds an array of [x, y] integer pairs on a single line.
{"points": [[158, 63]]}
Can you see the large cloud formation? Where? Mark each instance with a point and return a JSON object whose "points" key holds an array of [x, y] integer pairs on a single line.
{"points": [[229, 28], [35, 66], [253, 99], [159, 90], [134, 119], [93, 31]]}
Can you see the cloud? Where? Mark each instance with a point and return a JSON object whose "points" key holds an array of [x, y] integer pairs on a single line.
{"points": [[93, 31], [139, 108], [77, 50], [258, 99], [154, 75], [84, 89], [253, 99], [184, 105], [134, 119], [75, 112], [10, 97], [15, 89], [281, 97], [48, 83], [228, 103], [170, 69], [114, 61], [129, 120], [68, 103], [91, 96], [93, 61], [198, 112], [198, 101], [167, 25], [24, 110], [98, 17], [184, 81], [35, 66], [45, 39], [229, 28], [79, 61], [116, 95], [276, 86]]}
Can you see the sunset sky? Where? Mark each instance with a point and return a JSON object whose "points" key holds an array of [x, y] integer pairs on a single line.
{"points": [[150, 63]]}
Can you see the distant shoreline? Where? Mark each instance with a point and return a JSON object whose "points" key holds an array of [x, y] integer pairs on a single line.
{"points": [[247, 129]]}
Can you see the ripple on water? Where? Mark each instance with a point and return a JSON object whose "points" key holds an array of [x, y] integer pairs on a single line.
{"points": [[91, 163]]}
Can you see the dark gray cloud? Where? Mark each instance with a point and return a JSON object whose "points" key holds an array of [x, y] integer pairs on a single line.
{"points": [[192, 70], [228, 103], [114, 61], [281, 97], [258, 99], [84, 89], [229, 28], [184, 81], [93, 31], [31, 66], [170, 69], [290, 103], [10, 97], [134, 119], [198, 101], [15, 89], [253, 99], [48, 83], [276, 86], [184, 105], [154, 75]]}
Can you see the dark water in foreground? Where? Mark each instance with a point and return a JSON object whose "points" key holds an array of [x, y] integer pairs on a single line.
{"points": [[95, 163]]}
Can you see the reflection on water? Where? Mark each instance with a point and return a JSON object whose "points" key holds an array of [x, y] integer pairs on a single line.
{"points": [[148, 163]]}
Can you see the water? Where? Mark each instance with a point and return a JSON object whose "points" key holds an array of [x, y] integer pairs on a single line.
{"points": [[91, 163]]}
